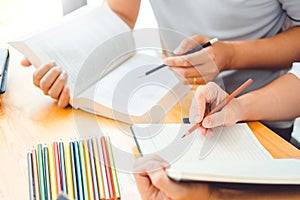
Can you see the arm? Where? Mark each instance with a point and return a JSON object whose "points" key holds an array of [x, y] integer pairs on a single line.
{"points": [[277, 101], [127, 10], [274, 52], [278, 52]]}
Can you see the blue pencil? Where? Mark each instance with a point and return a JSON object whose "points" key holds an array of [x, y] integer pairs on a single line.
{"points": [[74, 170], [94, 175], [46, 172], [78, 171], [62, 166]]}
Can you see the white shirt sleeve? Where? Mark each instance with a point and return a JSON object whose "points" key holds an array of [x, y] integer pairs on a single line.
{"points": [[296, 69]]}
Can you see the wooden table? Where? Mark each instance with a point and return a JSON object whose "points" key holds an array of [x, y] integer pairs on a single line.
{"points": [[27, 118]]}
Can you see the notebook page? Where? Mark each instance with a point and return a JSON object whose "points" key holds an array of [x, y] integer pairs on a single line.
{"points": [[235, 143]]}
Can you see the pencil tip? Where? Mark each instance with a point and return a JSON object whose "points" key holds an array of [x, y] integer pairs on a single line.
{"points": [[183, 136]]}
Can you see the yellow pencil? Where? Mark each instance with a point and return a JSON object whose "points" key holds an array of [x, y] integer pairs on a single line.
{"points": [[69, 171], [52, 171], [88, 170], [35, 174], [98, 169]]}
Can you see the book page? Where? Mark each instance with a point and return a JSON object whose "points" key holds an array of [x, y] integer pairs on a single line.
{"points": [[128, 91], [235, 143], [90, 34]]}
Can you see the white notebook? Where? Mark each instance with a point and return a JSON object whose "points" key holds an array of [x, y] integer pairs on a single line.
{"points": [[98, 51], [233, 154]]}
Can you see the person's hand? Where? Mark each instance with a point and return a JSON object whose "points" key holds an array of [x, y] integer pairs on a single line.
{"points": [[206, 98], [202, 66], [154, 184], [52, 80]]}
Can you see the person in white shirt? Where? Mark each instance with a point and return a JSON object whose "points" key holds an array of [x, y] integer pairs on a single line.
{"points": [[259, 39], [279, 100]]}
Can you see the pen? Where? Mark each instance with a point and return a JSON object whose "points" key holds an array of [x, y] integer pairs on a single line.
{"points": [[198, 48], [222, 104]]}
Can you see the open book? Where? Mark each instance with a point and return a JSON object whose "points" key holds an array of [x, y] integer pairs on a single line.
{"points": [[235, 156], [97, 50]]}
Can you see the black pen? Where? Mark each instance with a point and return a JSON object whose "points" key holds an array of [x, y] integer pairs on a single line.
{"points": [[198, 48]]}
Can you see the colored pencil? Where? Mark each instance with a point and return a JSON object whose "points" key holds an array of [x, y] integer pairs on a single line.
{"points": [[107, 168], [30, 176], [88, 169], [52, 172], [78, 171], [70, 189], [98, 169], [73, 161], [105, 183], [93, 168], [62, 166], [57, 167], [41, 171], [83, 170], [113, 168], [35, 175], [46, 172]]}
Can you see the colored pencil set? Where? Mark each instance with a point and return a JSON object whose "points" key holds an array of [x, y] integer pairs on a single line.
{"points": [[82, 169]]}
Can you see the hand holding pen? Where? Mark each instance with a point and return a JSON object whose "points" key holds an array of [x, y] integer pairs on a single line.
{"points": [[209, 95], [191, 51]]}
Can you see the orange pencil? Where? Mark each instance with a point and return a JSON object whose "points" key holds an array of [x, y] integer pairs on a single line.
{"points": [[57, 167], [221, 105]]}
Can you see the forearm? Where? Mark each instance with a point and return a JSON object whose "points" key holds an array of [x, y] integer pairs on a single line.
{"points": [[279, 100], [275, 52], [127, 10]]}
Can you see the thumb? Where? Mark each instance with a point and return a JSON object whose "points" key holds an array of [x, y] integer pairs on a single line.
{"points": [[25, 62], [214, 120]]}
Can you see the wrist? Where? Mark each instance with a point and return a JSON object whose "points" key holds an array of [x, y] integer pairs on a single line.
{"points": [[246, 108], [231, 49]]}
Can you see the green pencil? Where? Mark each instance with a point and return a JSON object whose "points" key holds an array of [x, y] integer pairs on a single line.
{"points": [[41, 172], [113, 168], [83, 171]]}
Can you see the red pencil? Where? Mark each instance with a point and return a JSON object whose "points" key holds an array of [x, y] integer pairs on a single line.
{"points": [[107, 168], [221, 105], [57, 166]]}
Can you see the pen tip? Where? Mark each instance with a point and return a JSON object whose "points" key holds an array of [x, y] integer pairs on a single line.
{"points": [[183, 136]]}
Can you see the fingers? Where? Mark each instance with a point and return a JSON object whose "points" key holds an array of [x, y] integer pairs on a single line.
{"points": [[228, 116], [25, 62], [190, 43], [52, 80], [64, 98], [41, 71], [49, 79], [55, 90]]}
